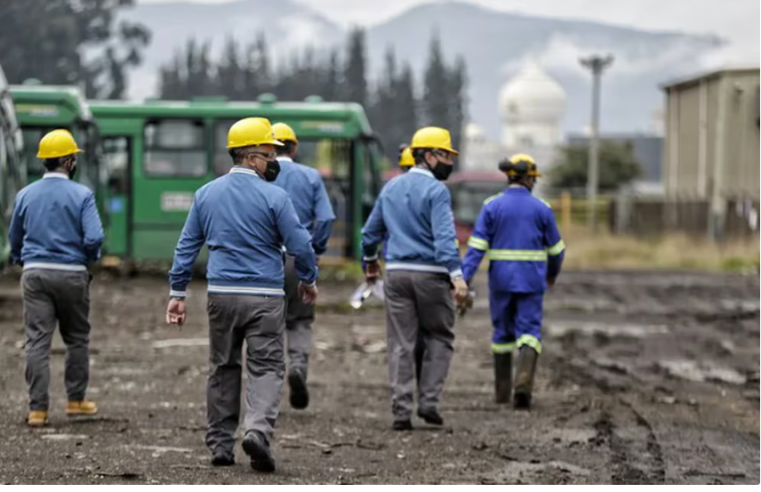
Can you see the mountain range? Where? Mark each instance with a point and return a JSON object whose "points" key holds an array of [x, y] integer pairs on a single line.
{"points": [[494, 44]]}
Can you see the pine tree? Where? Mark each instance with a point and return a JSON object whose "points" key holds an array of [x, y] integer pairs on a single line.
{"points": [[229, 79], [355, 83], [436, 95], [457, 87]]}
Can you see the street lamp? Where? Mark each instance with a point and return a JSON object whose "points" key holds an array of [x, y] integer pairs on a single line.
{"points": [[596, 64]]}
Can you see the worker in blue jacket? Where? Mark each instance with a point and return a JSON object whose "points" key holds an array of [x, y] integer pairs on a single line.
{"points": [[518, 233], [55, 232], [423, 273], [245, 220], [407, 162], [305, 187]]}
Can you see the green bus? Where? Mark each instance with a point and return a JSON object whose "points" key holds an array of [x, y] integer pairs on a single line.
{"points": [[42, 108], [12, 170], [158, 153]]}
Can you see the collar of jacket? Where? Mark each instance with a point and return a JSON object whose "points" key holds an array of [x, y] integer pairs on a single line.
{"points": [[54, 174], [284, 158], [423, 171], [243, 170]]}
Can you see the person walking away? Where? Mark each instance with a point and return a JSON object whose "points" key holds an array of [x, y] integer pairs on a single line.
{"points": [[307, 191], [55, 233], [245, 221], [414, 212], [518, 233]]}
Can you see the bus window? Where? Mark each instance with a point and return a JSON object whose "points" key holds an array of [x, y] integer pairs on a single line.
{"points": [[116, 163], [34, 166], [222, 160], [89, 160], [175, 148], [468, 198]]}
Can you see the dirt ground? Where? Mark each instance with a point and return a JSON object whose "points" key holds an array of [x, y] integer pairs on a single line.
{"points": [[644, 378]]}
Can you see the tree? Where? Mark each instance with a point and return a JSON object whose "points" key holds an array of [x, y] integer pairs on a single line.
{"points": [[70, 42], [355, 83], [230, 77], [457, 87], [331, 83], [436, 94], [618, 167]]}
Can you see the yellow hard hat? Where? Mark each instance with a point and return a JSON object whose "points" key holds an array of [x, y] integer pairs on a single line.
{"points": [[58, 143], [433, 137], [284, 133], [405, 158], [520, 165], [251, 131]]}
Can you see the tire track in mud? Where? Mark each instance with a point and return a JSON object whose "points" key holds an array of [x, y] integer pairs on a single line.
{"points": [[636, 456]]}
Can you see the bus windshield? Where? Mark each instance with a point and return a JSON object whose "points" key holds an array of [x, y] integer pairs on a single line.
{"points": [[468, 198]]}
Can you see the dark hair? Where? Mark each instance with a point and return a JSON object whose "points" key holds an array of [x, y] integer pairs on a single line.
{"points": [[419, 155], [239, 154], [286, 149], [55, 163]]}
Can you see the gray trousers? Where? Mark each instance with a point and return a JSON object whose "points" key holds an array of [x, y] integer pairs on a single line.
{"points": [[418, 301], [298, 321], [259, 321], [50, 297]]}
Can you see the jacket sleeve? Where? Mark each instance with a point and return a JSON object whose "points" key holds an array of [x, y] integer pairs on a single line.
{"points": [[478, 244], [16, 232], [555, 246], [374, 232], [444, 236], [93, 229], [324, 218], [189, 246], [297, 241]]}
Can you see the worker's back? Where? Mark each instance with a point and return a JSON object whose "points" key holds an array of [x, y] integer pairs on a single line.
{"points": [[302, 184], [59, 220], [410, 204], [238, 215], [521, 228]]}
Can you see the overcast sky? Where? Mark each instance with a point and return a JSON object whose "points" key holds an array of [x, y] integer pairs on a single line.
{"points": [[735, 20]]}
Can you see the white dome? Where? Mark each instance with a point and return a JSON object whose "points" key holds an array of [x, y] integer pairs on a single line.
{"points": [[474, 132], [532, 95]]}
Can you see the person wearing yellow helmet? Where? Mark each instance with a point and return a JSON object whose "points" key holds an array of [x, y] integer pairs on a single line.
{"points": [[246, 222], [310, 198], [519, 234], [432, 149], [55, 233], [406, 161], [413, 216]]}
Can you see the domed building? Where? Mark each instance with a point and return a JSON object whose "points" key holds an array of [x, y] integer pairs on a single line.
{"points": [[532, 106]]}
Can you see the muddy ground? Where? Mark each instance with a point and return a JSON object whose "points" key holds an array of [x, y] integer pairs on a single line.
{"points": [[644, 378]]}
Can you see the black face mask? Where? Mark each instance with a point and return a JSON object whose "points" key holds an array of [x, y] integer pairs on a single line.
{"points": [[272, 170], [441, 171]]}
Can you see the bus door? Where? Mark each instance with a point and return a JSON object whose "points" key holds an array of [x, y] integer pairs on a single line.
{"points": [[172, 163], [117, 167]]}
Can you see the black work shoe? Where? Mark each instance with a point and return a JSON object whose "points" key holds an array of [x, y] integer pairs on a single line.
{"points": [[299, 393], [430, 417], [402, 425], [257, 448], [222, 459]]}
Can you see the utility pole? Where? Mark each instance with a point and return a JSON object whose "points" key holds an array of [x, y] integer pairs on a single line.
{"points": [[596, 64]]}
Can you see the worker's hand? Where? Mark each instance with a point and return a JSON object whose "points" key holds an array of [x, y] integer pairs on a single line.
{"points": [[175, 312], [372, 271], [460, 290], [551, 281], [308, 293]]}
